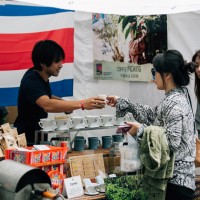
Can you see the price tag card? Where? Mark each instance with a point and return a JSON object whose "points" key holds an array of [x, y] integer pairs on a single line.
{"points": [[73, 187]]}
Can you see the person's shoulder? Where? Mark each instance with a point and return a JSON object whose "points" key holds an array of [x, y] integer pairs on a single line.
{"points": [[29, 75], [176, 94], [177, 104], [29, 72], [174, 100]]}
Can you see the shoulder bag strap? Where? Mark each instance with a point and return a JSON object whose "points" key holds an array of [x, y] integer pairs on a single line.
{"points": [[192, 110]]}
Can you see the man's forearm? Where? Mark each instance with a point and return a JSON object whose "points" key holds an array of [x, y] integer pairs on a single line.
{"points": [[55, 97]]}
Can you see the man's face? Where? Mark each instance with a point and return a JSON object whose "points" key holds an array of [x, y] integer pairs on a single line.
{"points": [[54, 69]]}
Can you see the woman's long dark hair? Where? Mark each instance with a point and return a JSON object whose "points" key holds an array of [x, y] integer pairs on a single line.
{"points": [[172, 62], [197, 80]]}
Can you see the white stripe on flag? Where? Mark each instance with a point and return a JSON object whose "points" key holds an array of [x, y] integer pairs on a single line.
{"points": [[13, 78], [31, 24]]}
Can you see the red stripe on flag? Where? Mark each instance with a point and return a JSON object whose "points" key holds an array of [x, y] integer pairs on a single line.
{"points": [[15, 49]]}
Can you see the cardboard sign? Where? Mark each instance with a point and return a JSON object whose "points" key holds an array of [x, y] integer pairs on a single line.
{"points": [[73, 187]]}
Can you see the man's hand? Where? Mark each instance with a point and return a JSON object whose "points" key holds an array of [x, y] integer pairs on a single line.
{"points": [[94, 103]]}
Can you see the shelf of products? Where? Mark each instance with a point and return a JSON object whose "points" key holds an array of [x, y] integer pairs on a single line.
{"points": [[66, 133]]}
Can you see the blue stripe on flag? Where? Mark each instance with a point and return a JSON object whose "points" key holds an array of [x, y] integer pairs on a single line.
{"points": [[8, 96], [64, 88], [19, 10]]}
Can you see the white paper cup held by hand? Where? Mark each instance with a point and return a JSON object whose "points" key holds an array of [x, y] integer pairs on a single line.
{"points": [[102, 97]]}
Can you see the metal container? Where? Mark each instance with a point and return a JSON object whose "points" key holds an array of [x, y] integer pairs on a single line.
{"points": [[57, 141], [17, 180]]}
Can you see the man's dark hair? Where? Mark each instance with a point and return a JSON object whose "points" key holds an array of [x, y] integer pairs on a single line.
{"points": [[46, 52]]}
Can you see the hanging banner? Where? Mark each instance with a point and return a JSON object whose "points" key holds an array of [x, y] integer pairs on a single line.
{"points": [[124, 46]]}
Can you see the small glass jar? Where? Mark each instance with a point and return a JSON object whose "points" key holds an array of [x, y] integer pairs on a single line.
{"points": [[115, 150]]}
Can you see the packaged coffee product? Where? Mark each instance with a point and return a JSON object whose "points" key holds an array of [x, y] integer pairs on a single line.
{"points": [[21, 140]]}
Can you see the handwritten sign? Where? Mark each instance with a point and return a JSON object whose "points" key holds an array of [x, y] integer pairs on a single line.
{"points": [[73, 187]]}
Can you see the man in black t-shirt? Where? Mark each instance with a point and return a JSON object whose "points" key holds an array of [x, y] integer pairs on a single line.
{"points": [[35, 98]]}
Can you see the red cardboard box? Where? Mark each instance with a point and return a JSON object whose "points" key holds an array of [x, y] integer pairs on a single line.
{"points": [[39, 157]]}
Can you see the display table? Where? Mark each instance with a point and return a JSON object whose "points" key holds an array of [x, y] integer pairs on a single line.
{"points": [[105, 153], [86, 197]]}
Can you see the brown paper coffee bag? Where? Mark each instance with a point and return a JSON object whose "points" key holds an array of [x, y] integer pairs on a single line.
{"points": [[9, 141], [13, 132], [6, 127], [21, 140]]}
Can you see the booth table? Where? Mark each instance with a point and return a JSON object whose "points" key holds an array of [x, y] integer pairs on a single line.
{"points": [[66, 134], [105, 153]]}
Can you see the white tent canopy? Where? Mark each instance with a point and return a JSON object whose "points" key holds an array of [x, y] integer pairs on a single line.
{"points": [[123, 7]]}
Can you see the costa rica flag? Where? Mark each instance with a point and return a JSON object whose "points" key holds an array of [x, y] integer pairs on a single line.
{"points": [[21, 26]]}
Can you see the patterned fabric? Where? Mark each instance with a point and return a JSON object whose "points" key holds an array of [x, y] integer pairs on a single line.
{"points": [[175, 114]]}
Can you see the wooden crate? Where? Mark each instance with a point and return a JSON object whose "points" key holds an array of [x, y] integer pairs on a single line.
{"points": [[87, 166], [111, 163]]}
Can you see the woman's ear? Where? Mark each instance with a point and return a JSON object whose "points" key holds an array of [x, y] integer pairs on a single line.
{"points": [[167, 75]]}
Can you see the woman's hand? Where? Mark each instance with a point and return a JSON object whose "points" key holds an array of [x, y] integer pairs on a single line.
{"points": [[112, 100], [134, 127]]}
